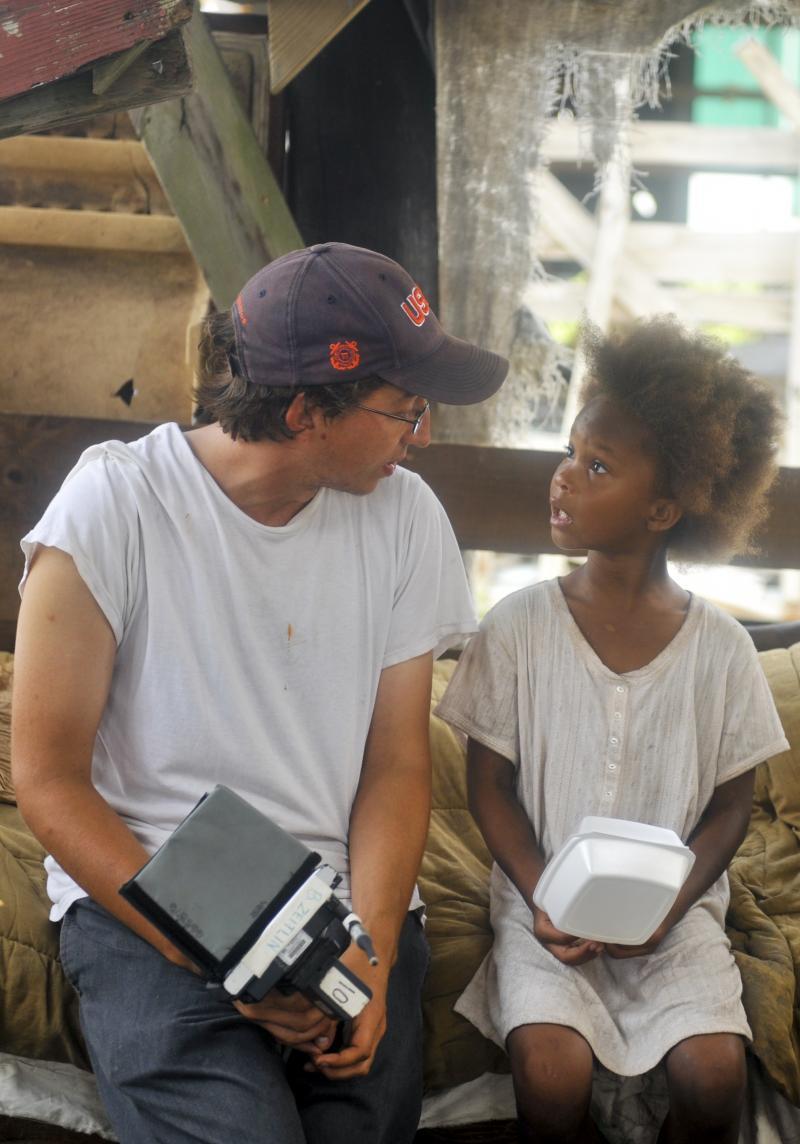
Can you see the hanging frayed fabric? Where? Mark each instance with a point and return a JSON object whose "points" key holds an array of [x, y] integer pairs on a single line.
{"points": [[504, 70]]}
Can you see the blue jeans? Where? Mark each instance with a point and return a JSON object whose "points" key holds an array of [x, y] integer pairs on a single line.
{"points": [[175, 1062]]}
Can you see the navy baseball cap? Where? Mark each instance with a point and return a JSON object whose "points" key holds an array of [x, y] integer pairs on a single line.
{"points": [[335, 312]]}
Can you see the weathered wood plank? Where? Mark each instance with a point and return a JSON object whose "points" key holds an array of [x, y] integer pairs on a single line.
{"points": [[163, 71], [108, 70], [43, 42], [656, 143], [216, 176], [671, 252], [574, 228], [761, 63], [767, 311], [497, 499], [300, 29]]}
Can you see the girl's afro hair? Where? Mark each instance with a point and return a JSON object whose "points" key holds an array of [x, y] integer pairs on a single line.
{"points": [[715, 426]]}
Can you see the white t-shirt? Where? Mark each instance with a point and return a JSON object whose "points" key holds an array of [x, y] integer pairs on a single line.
{"points": [[247, 655]]}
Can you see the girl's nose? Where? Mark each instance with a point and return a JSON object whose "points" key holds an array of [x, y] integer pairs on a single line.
{"points": [[561, 477]]}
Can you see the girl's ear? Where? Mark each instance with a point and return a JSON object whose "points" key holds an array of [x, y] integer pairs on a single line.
{"points": [[299, 415], [664, 515]]}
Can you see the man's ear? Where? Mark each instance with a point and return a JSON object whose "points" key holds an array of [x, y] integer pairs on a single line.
{"points": [[664, 515], [300, 414]]}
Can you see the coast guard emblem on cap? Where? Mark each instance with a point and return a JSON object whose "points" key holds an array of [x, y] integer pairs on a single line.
{"points": [[344, 355], [416, 307], [240, 308]]}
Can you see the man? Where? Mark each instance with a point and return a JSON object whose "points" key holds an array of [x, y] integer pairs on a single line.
{"points": [[254, 602]]}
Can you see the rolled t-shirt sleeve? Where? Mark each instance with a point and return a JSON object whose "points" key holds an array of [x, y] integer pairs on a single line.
{"points": [[752, 729], [93, 518], [432, 608], [481, 698]]}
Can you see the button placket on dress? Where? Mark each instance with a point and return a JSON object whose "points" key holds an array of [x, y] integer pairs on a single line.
{"points": [[614, 746]]}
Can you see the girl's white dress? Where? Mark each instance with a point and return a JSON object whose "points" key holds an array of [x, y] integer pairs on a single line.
{"points": [[649, 745]]}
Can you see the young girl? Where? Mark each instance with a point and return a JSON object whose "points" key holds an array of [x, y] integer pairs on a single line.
{"points": [[615, 692]]}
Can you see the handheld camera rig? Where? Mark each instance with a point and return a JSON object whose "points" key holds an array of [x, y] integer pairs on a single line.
{"points": [[253, 907]]}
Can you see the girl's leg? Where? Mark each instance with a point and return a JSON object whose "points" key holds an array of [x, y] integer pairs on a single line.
{"points": [[551, 1066], [707, 1077]]}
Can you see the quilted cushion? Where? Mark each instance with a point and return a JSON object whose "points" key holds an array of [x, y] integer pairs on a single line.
{"points": [[39, 1009], [6, 671], [454, 883]]}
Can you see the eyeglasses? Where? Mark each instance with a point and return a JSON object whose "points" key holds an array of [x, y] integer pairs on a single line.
{"points": [[415, 422]]}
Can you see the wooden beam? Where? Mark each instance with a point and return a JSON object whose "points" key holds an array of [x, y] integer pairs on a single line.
{"points": [[496, 498], [300, 29], [765, 68], [43, 42], [671, 252], [163, 71], [91, 230], [689, 145], [216, 176], [767, 311], [108, 71], [564, 218]]}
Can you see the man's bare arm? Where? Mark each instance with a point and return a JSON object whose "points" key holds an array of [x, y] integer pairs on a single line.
{"points": [[388, 830], [64, 658]]}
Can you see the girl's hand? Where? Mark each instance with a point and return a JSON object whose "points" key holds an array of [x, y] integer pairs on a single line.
{"points": [[624, 951], [564, 947]]}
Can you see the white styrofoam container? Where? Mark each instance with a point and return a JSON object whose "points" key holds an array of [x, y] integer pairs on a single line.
{"points": [[614, 880]]}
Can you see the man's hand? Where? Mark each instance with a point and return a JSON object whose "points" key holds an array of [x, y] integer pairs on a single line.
{"points": [[292, 1020], [564, 947], [366, 1030]]}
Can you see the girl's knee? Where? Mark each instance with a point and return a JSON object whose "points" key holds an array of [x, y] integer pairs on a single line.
{"points": [[552, 1071], [707, 1078]]}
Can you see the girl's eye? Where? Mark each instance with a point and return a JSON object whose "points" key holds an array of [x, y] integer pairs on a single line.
{"points": [[598, 467], [569, 451]]}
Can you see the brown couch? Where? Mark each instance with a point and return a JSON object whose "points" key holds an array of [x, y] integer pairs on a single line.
{"points": [[38, 1013]]}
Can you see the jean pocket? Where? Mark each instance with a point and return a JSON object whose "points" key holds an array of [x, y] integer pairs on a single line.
{"points": [[67, 950]]}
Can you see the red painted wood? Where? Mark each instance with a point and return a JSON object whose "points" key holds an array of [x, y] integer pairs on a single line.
{"points": [[45, 40]]}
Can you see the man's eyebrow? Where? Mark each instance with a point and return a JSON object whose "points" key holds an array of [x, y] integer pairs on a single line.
{"points": [[406, 400]]}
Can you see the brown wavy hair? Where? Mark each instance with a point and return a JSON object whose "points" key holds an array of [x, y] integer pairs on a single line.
{"points": [[255, 412], [716, 428]]}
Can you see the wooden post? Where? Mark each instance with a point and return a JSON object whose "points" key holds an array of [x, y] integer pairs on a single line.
{"points": [[492, 98], [215, 175]]}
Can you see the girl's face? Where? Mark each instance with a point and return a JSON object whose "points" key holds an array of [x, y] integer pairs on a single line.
{"points": [[603, 495]]}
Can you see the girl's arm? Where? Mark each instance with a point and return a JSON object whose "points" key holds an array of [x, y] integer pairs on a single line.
{"points": [[714, 840], [509, 835]]}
